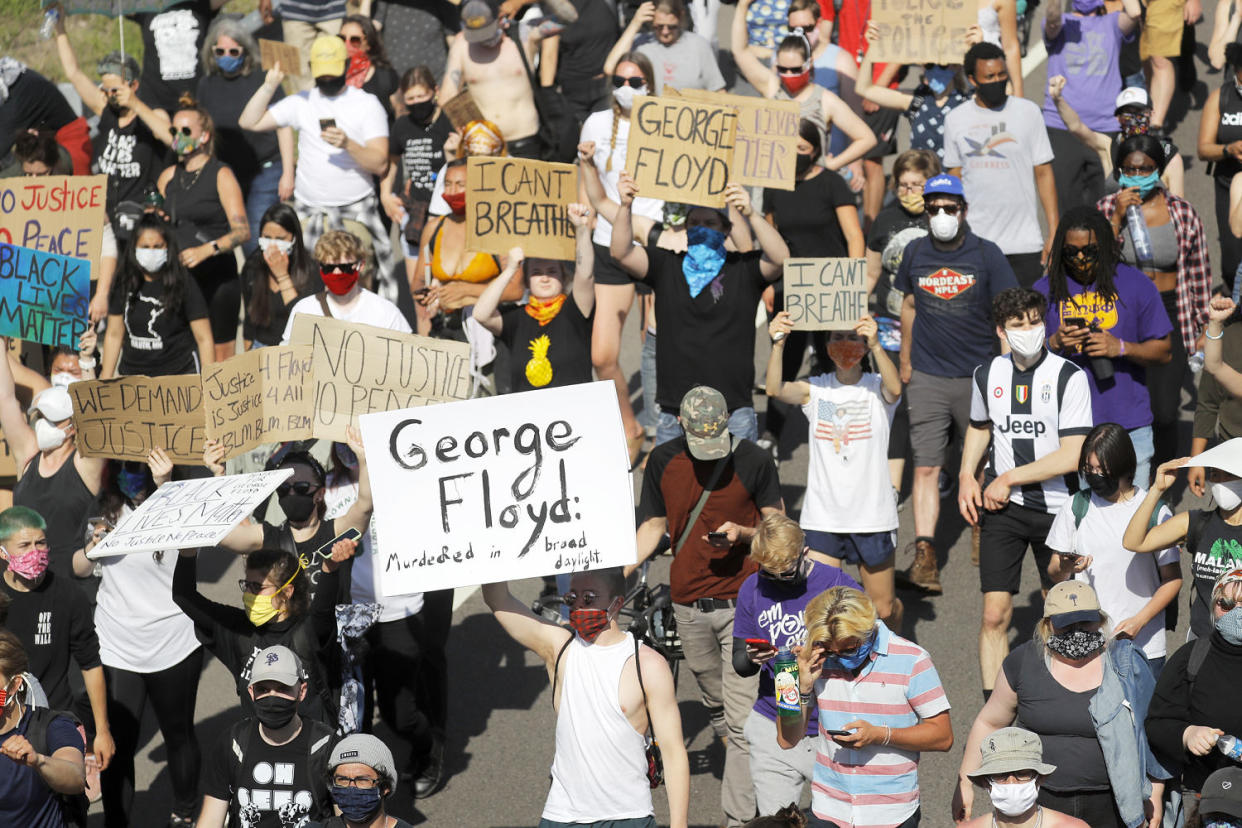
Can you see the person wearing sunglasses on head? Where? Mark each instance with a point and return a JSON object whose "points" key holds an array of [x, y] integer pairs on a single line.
{"points": [[1012, 770], [1195, 701], [769, 616], [341, 259]]}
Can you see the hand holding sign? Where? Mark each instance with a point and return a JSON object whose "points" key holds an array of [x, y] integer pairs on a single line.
{"points": [[161, 466]]}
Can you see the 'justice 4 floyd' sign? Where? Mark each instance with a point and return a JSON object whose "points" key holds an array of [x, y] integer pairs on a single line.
{"points": [[500, 488]]}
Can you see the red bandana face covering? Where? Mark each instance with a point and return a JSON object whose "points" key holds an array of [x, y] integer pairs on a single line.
{"points": [[796, 83], [456, 203], [588, 623], [359, 64], [340, 283]]}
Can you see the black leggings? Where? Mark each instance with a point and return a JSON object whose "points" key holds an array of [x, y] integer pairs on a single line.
{"points": [[1164, 385], [172, 694], [1230, 245], [394, 663]]}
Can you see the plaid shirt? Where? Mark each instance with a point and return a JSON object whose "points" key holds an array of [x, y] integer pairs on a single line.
{"points": [[1194, 270]]}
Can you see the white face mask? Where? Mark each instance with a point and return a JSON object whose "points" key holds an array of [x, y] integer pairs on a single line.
{"points": [[1026, 343], [1228, 496], [283, 246], [624, 95], [944, 226], [63, 379], [151, 259], [1016, 799], [48, 436]]}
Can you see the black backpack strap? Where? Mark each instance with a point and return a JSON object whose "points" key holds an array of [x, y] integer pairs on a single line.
{"points": [[556, 668], [1194, 530], [638, 666], [1198, 654]]}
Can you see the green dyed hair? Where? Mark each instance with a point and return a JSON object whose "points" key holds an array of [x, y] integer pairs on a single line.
{"points": [[17, 518]]}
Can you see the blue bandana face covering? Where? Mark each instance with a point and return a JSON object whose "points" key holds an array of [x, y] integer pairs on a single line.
{"points": [[1145, 183], [356, 804], [229, 63], [939, 78], [132, 484], [853, 662], [705, 255], [1229, 626]]}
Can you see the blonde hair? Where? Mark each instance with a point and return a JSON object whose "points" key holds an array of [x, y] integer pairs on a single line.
{"points": [[839, 614], [336, 245], [777, 543]]}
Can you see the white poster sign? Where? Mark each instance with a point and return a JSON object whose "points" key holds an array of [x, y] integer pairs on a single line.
{"points": [[500, 488], [184, 514]]}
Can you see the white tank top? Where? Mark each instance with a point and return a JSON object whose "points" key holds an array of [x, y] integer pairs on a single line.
{"points": [[989, 22], [600, 769]]}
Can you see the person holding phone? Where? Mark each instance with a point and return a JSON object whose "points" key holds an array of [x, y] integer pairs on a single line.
{"points": [[769, 615]]}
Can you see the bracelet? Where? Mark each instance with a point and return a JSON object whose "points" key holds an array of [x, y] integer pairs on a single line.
{"points": [[1123, 347], [1220, 335], [888, 735], [86, 362], [807, 699]]}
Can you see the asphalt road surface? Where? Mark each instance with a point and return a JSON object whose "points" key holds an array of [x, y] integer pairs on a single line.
{"points": [[500, 737]]}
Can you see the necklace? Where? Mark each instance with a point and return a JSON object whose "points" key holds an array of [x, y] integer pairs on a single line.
{"points": [[1038, 821], [185, 173]]}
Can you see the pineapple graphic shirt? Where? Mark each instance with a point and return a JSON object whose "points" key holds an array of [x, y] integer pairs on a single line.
{"points": [[1217, 550], [551, 355]]}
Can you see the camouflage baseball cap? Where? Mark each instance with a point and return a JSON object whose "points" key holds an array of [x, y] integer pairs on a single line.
{"points": [[705, 419]]}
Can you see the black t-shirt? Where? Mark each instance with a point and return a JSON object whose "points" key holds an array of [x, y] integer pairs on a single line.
{"points": [[244, 150], [807, 215], [891, 231], [171, 41], [586, 42], [128, 155], [1218, 550], [337, 822], [53, 622], [382, 84], [192, 201], [34, 102], [708, 339], [255, 277], [157, 343], [421, 150], [551, 355], [281, 786]]}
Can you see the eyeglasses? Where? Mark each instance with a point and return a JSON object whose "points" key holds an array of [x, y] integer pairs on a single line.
{"points": [[909, 188], [848, 653], [587, 598], [947, 209], [1144, 170], [354, 40], [235, 52], [253, 587], [364, 783], [666, 27], [185, 130], [302, 487], [1021, 776], [1089, 250], [790, 70], [633, 83], [338, 267]]}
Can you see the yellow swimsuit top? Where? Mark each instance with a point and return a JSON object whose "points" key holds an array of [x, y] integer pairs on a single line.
{"points": [[482, 268]]}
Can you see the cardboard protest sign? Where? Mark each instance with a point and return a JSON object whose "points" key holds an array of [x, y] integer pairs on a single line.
{"points": [[261, 396], [61, 214], [357, 369], [287, 55], [461, 110], [43, 297], [126, 418], [183, 514], [517, 202], [766, 148], [921, 31], [681, 150], [500, 488], [825, 294]]}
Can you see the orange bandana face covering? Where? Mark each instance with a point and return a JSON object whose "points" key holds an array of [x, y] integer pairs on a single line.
{"points": [[846, 353], [544, 311]]}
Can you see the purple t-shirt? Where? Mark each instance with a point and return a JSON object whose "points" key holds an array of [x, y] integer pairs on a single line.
{"points": [[1137, 315], [766, 609], [1086, 51]]}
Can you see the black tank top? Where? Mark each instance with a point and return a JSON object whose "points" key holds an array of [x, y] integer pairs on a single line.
{"points": [[65, 503], [127, 155], [192, 200], [1229, 129]]}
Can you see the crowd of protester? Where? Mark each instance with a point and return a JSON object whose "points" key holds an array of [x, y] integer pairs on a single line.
{"points": [[1040, 293]]}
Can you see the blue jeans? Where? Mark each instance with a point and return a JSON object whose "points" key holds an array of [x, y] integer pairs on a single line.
{"points": [[1156, 665], [1137, 79], [651, 412], [743, 424], [1144, 448], [263, 193]]}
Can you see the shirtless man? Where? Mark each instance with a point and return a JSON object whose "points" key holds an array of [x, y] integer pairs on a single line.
{"points": [[487, 63], [601, 731]]}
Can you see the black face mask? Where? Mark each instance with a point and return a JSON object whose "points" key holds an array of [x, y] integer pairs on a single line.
{"points": [[1105, 487], [421, 112], [330, 86], [803, 164], [297, 507], [992, 94], [1082, 266], [274, 712]]}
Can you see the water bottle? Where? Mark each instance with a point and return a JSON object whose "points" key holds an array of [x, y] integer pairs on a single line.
{"points": [[1195, 362], [1139, 237], [48, 30], [1230, 746], [788, 696]]}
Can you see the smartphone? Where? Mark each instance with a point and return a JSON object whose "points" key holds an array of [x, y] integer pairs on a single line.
{"points": [[839, 732], [717, 536], [324, 123], [761, 643], [1075, 322], [422, 291], [1071, 555], [325, 551], [93, 525]]}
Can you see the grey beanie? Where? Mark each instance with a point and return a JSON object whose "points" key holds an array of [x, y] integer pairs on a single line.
{"points": [[365, 749]]}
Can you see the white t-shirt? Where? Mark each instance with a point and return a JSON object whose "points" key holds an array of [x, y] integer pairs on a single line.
{"points": [[140, 628], [998, 151], [326, 175], [598, 128], [1123, 581], [848, 488], [338, 497], [369, 309]]}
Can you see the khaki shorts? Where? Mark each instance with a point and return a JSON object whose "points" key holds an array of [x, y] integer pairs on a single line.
{"points": [[1162, 29]]}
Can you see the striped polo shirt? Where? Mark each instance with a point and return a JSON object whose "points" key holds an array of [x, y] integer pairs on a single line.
{"points": [[875, 786]]}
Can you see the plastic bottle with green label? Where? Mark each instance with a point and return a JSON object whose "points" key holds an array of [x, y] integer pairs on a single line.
{"points": [[785, 665]]}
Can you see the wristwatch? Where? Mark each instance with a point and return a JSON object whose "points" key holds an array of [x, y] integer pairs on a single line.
{"points": [[215, 247]]}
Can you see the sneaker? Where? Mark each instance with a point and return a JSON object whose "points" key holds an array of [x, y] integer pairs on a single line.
{"points": [[93, 790], [923, 573]]}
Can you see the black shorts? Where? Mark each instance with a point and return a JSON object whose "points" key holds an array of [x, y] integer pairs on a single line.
{"points": [[883, 123], [608, 271], [1003, 539]]}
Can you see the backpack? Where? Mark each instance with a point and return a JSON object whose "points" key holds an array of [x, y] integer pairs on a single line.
{"points": [[242, 732], [1081, 502], [73, 807]]}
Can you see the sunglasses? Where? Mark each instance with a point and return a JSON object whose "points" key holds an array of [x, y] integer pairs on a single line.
{"points": [[185, 130], [302, 487], [587, 599], [947, 209], [1089, 250], [633, 83], [1225, 604], [788, 576], [236, 52], [790, 70], [338, 267], [1021, 776], [666, 27], [251, 587], [354, 40]]}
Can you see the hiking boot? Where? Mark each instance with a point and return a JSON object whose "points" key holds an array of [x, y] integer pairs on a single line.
{"points": [[923, 573], [974, 544]]}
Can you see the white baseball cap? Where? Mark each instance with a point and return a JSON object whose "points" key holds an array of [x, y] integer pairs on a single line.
{"points": [[1132, 96]]}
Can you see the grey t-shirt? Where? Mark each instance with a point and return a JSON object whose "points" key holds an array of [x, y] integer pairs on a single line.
{"points": [[998, 150], [688, 63]]}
